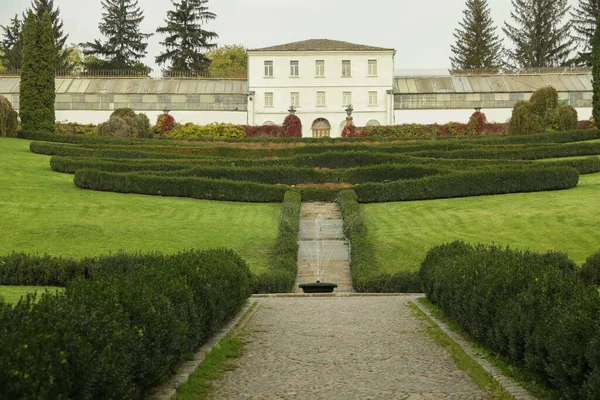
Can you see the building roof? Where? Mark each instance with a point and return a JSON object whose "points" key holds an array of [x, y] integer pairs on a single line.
{"points": [[137, 86], [581, 82], [322, 45]]}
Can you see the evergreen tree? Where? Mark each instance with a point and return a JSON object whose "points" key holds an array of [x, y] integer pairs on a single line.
{"points": [[37, 88], [39, 7], [595, 56], [11, 46], [125, 45], [540, 36], [584, 26], [477, 44], [186, 39]]}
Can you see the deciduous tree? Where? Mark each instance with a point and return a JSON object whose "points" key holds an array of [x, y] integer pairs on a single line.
{"points": [[228, 62]]}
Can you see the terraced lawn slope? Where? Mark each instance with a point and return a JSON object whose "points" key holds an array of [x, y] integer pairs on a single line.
{"points": [[565, 220], [44, 212]]}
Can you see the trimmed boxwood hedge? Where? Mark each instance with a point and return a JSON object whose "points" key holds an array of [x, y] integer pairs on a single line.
{"points": [[283, 266], [113, 336], [471, 183], [532, 307], [366, 277], [197, 188]]}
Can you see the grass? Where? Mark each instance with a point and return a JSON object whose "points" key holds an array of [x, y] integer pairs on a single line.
{"points": [[44, 212], [218, 361], [12, 294], [567, 221], [507, 366], [465, 363]]}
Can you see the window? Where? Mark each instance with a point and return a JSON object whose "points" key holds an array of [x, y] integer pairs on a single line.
{"points": [[372, 67], [346, 69], [268, 68], [269, 99], [372, 98], [294, 68], [320, 98], [295, 99], [347, 98], [320, 71]]}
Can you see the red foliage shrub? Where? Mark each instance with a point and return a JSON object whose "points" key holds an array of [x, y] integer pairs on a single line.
{"points": [[164, 123], [270, 131], [292, 126], [350, 131], [585, 125], [478, 122]]}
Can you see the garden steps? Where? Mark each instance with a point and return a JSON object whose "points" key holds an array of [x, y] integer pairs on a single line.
{"points": [[335, 254]]}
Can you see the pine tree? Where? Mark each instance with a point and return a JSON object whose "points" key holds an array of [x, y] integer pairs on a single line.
{"points": [[186, 39], [11, 46], [37, 88], [584, 26], [477, 44], [125, 45], [540, 36], [39, 7], [595, 56]]}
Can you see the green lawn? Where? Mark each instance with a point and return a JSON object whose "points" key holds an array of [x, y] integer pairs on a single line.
{"points": [[12, 294], [566, 220], [44, 212]]}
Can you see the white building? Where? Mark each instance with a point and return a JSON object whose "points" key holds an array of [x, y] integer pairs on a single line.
{"points": [[321, 78]]}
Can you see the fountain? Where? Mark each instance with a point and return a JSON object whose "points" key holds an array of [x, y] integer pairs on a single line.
{"points": [[319, 260]]}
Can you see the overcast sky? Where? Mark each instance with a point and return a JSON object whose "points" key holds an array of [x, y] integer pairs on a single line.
{"points": [[420, 30]]}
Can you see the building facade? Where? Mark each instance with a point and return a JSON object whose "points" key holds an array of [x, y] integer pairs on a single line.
{"points": [[321, 79]]}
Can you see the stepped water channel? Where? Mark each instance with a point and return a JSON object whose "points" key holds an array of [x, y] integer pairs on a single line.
{"points": [[323, 247]]}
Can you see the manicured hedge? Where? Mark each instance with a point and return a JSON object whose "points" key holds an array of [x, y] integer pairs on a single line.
{"points": [[532, 307], [471, 183], [283, 266], [114, 336], [527, 153], [197, 188], [60, 149], [71, 164], [286, 175], [366, 277]]}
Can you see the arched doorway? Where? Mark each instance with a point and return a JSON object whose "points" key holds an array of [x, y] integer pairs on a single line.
{"points": [[321, 128], [373, 122]]}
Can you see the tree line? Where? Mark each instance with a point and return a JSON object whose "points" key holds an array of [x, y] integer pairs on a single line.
{"points": [[543, 33], [188, 46]]}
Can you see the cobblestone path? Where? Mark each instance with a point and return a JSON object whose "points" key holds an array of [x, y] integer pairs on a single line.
{"points": [[342, 348]]}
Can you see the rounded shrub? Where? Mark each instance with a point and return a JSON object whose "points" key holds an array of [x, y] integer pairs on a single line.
{"points": [[164, 124], [543, 101], [123, 127], [123, 112], [9, 120], [524, 121], [567, 118], [477, 122], [349, 131], [590, 270], [144, 123], [292, 126]]}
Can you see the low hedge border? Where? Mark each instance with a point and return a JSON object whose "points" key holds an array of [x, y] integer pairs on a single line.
{"points": [[483, 181], [112, 337], [549, 137], [472, 183], [532, 307], [197, 188], [283, 264], [366, 277]]}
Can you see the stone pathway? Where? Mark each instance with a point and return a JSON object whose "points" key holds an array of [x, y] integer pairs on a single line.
{"points": [[335, 256], [342, 348]]}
